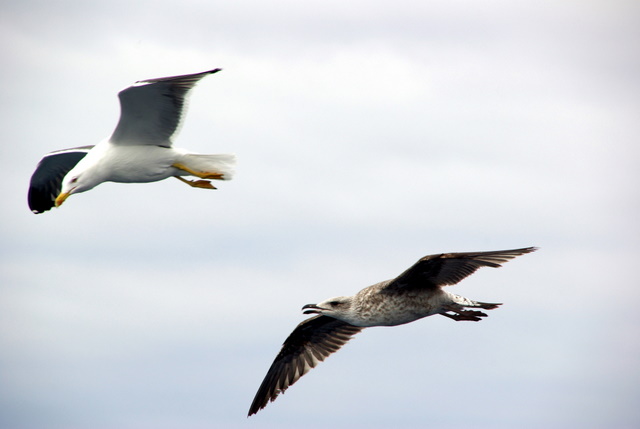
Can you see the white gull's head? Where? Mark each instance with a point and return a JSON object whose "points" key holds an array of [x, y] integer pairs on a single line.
{"points": [[81, 178]]}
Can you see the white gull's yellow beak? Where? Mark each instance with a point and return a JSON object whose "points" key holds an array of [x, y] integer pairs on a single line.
{"points": [[60, 199]]}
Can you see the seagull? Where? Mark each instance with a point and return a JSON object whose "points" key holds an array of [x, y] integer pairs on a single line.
{"points": [[139, 150], [416, 293]]}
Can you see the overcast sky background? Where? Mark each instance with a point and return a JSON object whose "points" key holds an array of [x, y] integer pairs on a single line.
{"points": [[368, 134]]}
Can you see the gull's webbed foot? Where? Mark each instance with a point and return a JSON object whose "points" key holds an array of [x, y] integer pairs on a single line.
{"points": [[203, 184]]}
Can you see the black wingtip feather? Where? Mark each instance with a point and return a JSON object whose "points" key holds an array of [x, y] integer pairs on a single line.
{"points": [[46, 181]]}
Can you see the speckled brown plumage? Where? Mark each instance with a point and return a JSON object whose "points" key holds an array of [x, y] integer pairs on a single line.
{"points": [[414, 294]]}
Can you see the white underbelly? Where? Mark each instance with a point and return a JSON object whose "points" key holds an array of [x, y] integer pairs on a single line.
{"points": [[141, 164]]}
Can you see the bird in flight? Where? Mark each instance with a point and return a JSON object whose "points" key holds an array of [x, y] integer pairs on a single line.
{"points": [[416, 293], [140, 149]]}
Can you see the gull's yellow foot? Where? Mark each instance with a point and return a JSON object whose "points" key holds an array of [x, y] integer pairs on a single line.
{"points": [[215, 176], [200, 174], [204, 184]]}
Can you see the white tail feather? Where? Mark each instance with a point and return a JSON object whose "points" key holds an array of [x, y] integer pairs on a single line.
{"points": [[219, 163]]}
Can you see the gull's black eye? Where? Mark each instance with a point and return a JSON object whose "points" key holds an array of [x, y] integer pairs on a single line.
{"points": [[74, 180], [334, 303]]}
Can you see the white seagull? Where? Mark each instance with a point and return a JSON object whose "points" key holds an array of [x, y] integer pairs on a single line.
{"points": [[414, 294], [139, 150]]}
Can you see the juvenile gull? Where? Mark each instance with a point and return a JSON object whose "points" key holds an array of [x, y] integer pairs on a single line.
{"points": [[139, 150], [414, 294]]}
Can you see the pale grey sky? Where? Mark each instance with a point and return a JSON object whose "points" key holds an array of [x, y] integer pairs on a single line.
{"points": [[368, 134]]}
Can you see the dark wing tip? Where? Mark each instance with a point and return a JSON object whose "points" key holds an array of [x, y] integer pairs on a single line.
{"points": [[190, 79], [492, 258], [500, 256], [46, 180], [38, 203]]}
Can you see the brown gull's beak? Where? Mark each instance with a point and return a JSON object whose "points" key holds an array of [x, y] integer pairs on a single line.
{"points": [[312, 309]]}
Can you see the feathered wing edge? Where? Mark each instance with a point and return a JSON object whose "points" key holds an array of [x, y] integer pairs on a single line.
{"points": [[311, 342], [152, 110], [446, 269]]}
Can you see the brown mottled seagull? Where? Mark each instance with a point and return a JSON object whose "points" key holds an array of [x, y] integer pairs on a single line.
{"points": [[414, 294], [139, 150]]}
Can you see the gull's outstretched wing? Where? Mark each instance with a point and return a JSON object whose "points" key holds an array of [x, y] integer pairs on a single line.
{"points": [[434, 271], [311, 342], [151, 110], [46, 181]]}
